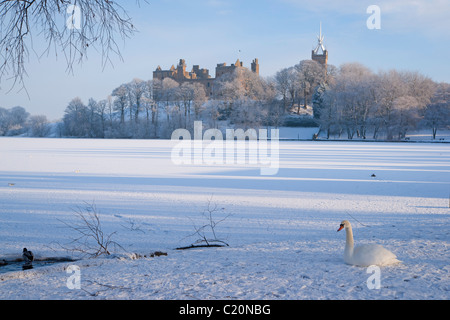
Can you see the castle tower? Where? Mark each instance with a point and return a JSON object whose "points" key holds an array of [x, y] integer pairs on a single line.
{"points": [[320, 54], [255, 66], [181, 70]]}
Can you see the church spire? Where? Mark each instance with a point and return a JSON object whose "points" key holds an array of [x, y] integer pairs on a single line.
{"points": [[320, 47], [320, 54]]}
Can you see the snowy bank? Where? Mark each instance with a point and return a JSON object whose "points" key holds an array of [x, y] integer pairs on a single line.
{"points": [[281, 229]]}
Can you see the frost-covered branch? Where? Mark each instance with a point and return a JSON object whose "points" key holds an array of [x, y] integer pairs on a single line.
{"points": [[67, 27], [206, 233], [91, 240]]}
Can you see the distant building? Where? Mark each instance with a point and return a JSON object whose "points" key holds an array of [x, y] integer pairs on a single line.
{"points": [[320, 54], [202, 76], [180, 75]]}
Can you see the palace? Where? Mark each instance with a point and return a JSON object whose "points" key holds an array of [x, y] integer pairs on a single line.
{"points": [[180, 75], [202, 76]]}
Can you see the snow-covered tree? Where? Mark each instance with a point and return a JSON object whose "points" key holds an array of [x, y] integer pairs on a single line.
{"points": [[309, 74], [121, 101], [406, 115], [243, 95], [329, 114], [186, 96], [102, 109], [390, 87], [76, 119], [399, 95], [287, 87], [95, 119], [318, 100], [38, 126], [420, 87], [137, 89], [437, 113], [165, 98], [12, 121], [355, 86], [200, 97]]}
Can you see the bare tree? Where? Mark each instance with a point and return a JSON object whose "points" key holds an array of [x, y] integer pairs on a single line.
{"points": [[71, 27], [420, 87], [286, 86], [199, 99], [437, 113], [38, 126], [329, 116], [406, 115], [355, 86], [102, 106], [390, 87], [90, 239], [186, 96], [12, 121], [121, 101], [95, 119], [150, 107], [165, 95], [310, 73], [206, 233], [401, 100], [243, 95], [227, 90], [76, 119]]}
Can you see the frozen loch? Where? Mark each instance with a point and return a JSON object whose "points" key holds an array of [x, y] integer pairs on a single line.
{"points": [[280, 229]]}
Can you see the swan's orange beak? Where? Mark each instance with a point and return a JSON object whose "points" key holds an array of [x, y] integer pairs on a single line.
{"points": [[341, 227]]}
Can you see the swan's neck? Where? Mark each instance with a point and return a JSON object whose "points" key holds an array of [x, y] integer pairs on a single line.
{"points": [[349, 242]]}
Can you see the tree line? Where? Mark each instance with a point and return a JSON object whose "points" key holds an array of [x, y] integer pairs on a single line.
{"points": [[155, 108], [348, 102], [357, 103], [17, 121]]}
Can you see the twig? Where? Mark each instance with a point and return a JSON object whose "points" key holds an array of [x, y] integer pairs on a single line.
{"points": [[133, 226], [358, 220], [101, 25], [108, 287], [211, 225], [91, 239], [192, 246]]}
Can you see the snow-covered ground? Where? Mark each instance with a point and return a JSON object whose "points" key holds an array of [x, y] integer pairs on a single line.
{"points": [[281, 229]]}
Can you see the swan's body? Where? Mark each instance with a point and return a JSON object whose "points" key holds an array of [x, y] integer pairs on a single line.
{"points": [[365, 255]]}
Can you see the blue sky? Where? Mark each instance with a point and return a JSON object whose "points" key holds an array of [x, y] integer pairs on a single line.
{"points": [[414, 35]]}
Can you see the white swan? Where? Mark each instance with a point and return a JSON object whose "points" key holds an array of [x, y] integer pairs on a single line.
{"points": [[365, 255]]}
